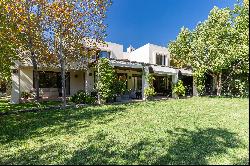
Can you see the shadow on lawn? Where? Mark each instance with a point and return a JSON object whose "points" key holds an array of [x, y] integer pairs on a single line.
{"points": [[191, 147], [6, 107], [37, 156], [23, 126]]}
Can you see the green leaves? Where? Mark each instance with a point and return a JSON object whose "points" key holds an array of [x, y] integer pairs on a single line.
{"points": [[106, 78], [149, 91], [179, 88], [216, 43]]}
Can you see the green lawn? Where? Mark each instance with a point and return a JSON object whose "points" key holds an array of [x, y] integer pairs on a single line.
{"points": [[187, 131], [5, 105]]}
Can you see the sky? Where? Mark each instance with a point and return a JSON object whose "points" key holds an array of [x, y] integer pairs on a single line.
{"points": [[138, 22]]}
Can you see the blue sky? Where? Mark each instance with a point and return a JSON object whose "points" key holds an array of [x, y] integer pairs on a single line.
{"points": [[138, 22]]}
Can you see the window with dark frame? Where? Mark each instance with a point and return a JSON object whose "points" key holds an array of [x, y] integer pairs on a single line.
{"points": [[50, 79], [104, 54], [137, 81], [160, 59], [164, 62]]}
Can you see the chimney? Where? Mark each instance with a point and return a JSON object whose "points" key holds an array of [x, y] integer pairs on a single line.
{"points": [[130, 49]]}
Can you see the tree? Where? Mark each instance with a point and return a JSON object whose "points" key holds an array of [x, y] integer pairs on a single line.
{"points": [[27, 17], [149, 92], [181, 49], [106, 79], [215, 45], [8, 44], [76, 28]]}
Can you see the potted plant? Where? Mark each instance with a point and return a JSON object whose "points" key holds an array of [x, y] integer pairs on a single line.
{"points": [[179, 89]]}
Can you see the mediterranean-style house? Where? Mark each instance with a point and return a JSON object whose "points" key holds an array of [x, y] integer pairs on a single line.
{"points": [[130, 66]]}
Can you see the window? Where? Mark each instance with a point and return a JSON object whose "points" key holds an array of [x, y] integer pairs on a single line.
{"points": [[136, 82], [50, 79], [104, 54], [164, 62], [160, 59]]}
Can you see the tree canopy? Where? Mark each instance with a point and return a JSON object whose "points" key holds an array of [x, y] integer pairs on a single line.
{"points": [[216, 45], [55, 32]]}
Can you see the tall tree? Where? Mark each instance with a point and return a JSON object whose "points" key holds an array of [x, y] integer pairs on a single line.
{"points": [[8, 43], [76, 28], [27, 16], [215, 45]]}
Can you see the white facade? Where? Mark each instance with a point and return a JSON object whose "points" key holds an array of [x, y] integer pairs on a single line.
{"points": [[148, 52], [134, 61], [116, 50]]}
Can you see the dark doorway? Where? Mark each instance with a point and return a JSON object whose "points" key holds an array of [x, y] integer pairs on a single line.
{"points": [[188, 83], [162, 85], [123, 77], [209, 84]]}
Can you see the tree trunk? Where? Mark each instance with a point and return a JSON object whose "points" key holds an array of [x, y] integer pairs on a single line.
{"points": [[62, 63], [63, 83], [34, 61], [98, 93], [36, 77], [218, 85]]}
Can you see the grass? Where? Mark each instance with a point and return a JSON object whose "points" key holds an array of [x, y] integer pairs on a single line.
{"points": [[186, 131], [5, 105]]}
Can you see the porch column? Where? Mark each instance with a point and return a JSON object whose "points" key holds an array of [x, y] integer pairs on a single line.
{"points": [[174, 81], [144, 81], [88, 80], [195, 92], [15, 92], [129, 80]]}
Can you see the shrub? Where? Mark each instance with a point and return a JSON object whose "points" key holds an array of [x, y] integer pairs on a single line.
{"points": [[119, 87], [239, 88], [179, 88], [81, 97], [105, 81], [149, 92], [25, 95]]}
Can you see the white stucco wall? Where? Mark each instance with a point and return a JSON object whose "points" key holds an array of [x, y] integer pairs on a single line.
{"points": [[140, 54], [76, 81], [22, 81], [89, 80], [15, 91], [115, 49], [154, 49], [126, 55], [147, 54], [26, 79]]}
